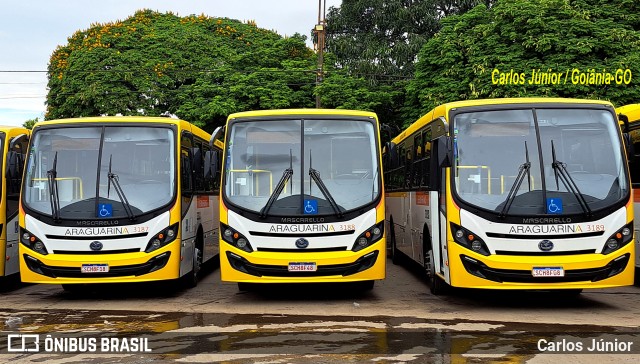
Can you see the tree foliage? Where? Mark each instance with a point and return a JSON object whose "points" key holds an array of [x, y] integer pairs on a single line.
{"points": [[30, 123], [523, 36], [199, 68], [375, 44]]}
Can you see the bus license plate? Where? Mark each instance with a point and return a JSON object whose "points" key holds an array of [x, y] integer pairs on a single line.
{"points": [[302, 267], [94, 268], [548, 272]]}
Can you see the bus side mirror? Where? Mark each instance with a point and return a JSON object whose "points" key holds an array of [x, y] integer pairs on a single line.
{"points": [[444, 152], [216, 135]]}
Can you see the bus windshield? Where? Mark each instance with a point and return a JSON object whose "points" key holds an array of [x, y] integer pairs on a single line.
{"points": [[498, 153], [80, 160], [334, 166]]}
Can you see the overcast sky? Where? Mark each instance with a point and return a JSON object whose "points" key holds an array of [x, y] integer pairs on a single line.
{"points": [[30, 30]]}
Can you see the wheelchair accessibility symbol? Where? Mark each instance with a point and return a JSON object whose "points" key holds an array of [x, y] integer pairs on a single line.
{"points": [[310, 207], [554, 205], [105, 210]]}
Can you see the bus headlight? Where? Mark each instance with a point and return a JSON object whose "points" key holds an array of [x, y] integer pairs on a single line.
{"points": [[234, 238], [369, 237], [469, 240], [162, 238], [619, 239], [32, 242]]}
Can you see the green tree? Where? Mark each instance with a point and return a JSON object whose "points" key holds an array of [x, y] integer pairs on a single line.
{"points": [[29, 124], [557, 35], [377, 42], [199, 68]]}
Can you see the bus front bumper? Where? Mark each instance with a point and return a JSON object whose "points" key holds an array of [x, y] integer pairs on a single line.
{"points": [[471, 270], [268, 267], [161, 264]]}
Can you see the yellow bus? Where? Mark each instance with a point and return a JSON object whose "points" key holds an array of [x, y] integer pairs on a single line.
{"points": [[630, 116], [524, 193], [118, 199], [302, 198], [13, 144]]}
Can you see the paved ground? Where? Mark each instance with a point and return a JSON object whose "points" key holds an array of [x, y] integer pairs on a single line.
{"points": [[398, 321]]}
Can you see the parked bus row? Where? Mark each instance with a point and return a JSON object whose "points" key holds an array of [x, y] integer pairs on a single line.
{"points": [[530, 193]]}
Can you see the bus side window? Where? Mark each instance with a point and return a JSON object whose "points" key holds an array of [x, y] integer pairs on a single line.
{"points": [[634, 165], [417, 160], [198, 167], [15, 167]]}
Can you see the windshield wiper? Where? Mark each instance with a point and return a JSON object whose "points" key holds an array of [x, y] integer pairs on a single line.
{"points": [[315, 176], [560, 170], [116, 185], [54, 197], [524, 168], [286, 175]]}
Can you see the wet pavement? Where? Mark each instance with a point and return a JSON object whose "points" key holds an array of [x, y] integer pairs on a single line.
{"points": [[206, 337], [398, 321]]}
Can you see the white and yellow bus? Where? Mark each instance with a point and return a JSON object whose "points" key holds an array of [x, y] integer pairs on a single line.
{"points": [[529, 193], [630, 118], [13, 144], [118, 199], [302, 198]]}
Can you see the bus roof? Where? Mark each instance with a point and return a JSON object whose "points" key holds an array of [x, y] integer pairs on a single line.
{"points": [[294, 112], [443, 110], [632, 111], [7, 128], [127, 119]]}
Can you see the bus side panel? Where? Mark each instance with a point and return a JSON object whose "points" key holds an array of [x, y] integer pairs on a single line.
{"points": [[395, 206], [636, 225], [188, 230], [12, 263], [207, 217], [420, 217]]}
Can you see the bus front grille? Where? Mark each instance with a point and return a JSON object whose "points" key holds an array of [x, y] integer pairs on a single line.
{"points": [[259, 270], [481, 270], [152, 265]]}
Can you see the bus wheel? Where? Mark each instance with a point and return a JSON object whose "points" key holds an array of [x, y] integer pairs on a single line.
{"points": [[436, 285], [191, 279], [246, 287], [366, 285]]}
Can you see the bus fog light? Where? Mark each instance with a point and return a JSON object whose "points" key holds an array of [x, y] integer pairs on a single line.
{"points": [[612, 244], [363, 241], [241, 243], [476, 246]]}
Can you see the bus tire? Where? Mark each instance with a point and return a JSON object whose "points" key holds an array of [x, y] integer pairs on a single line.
{"points": [[393, 250], [366, 286], [436, 285], [245, 287], [191, 278]]}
